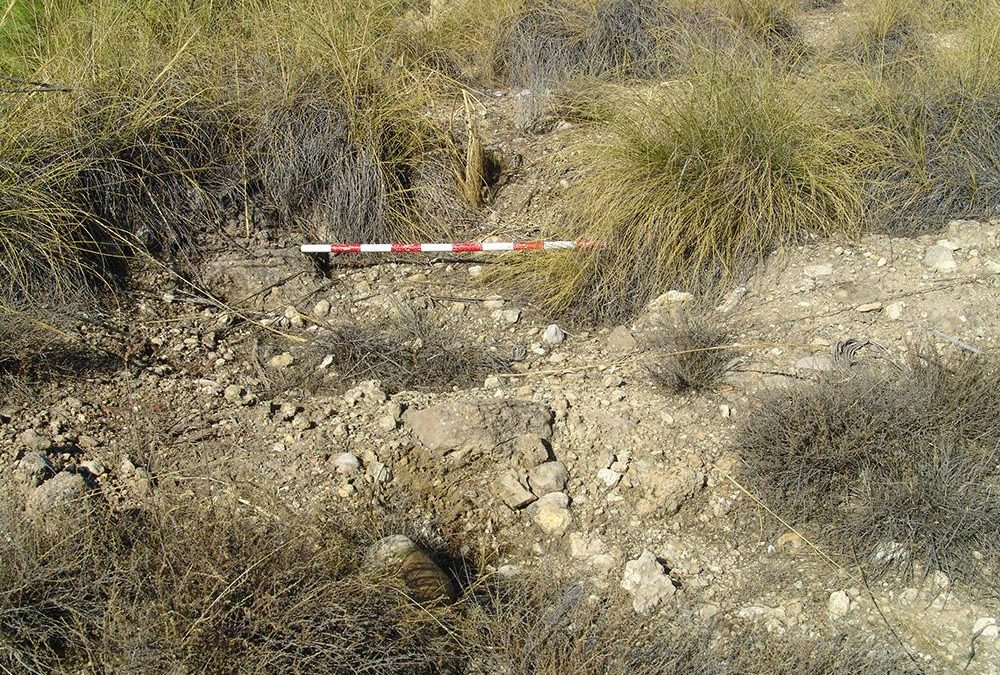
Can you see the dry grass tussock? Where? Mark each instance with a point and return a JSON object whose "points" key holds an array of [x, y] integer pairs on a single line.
{"points": [[182, 118], [694, 351], [937, 121], [887, 33], [186, 587], [402, 354], [697, 186], [893, 468]]}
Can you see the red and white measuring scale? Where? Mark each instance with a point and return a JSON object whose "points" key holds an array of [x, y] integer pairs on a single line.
{"points": [[451, 247]]}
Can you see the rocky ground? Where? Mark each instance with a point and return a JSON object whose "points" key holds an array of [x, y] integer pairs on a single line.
{"points": [[567, 456]]}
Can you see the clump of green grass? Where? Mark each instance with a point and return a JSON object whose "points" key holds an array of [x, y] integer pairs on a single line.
{"points": [[891, 467], [697, 186]]}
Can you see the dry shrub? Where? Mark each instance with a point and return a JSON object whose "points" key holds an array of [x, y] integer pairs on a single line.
{"points": [[548, 43], [189, 588], [768, 23], [891, 467], [404, 354], [185, 587], [697, 185], [696, 352]]}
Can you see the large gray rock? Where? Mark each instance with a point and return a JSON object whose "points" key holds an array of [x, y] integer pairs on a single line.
{"points": [[398, 556], [34, 467], [61, 495], [647, 583], [548, 477], [465, 427]]}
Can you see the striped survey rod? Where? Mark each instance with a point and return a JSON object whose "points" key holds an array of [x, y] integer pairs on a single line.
{"points": [[452, 247]]}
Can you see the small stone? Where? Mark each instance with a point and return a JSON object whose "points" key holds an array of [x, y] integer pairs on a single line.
{"points": [[839, 604], [36, 467], [894, 310], [553, 335], [647, 583], [621, 340], [282, 360], [513, 494], [475, 271], [551, 513], [732, 299], [379, 472], [301, 422], [293, 317], [347, 463], [33, 440], [93, 467], [986, 627], [388, 423], [493, 304], [398, 556], [510, 315], [287, 411], [821, 270], [548, 477], [491, 382], [584, 546], [326, 362], [321, 309], [531, 449], [608, 477], [233, 393], [669, 300], [869, 307], [940, 259]]}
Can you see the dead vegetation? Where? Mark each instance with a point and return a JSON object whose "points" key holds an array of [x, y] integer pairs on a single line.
{"points": [[695, 352], [894, 469], [186, 587], [403, 354]]}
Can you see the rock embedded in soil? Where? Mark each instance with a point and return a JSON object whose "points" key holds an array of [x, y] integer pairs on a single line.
{"points": [[531, 449], [33, 440], [647, 583], [398, 556], [553, 335], [281, 361], [347, 463], [35, 467], [551, 513], [57, 496], [940, 259], [508, 487], [476, 426], [548, 477], [839, 604], [621, 340]]}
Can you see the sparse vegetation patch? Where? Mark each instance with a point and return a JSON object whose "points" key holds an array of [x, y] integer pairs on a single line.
{"points": [[895, 468]]}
